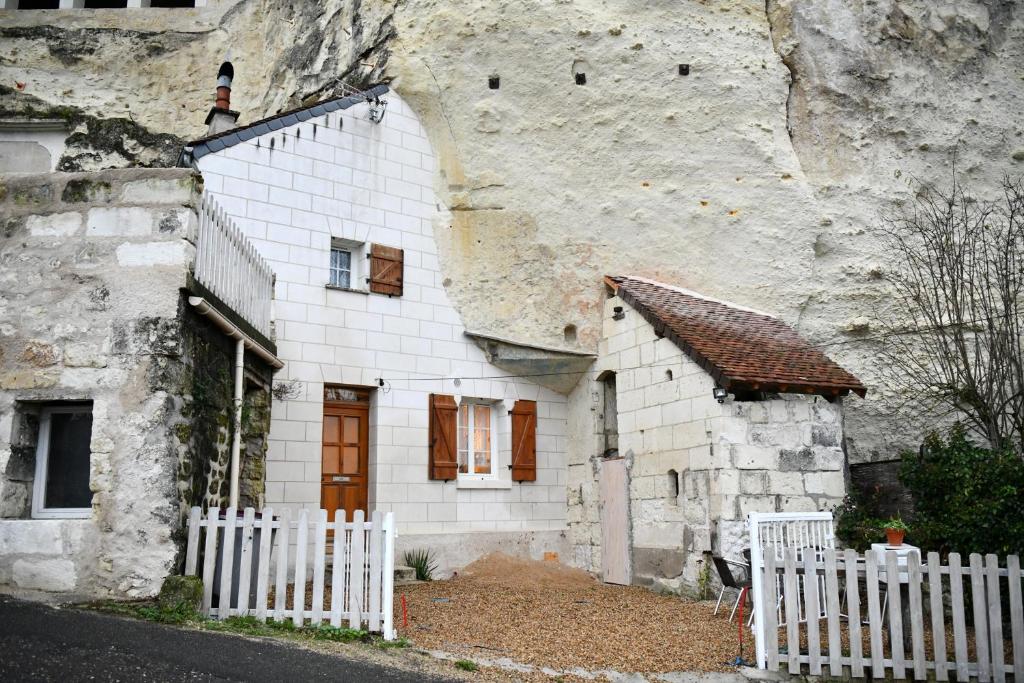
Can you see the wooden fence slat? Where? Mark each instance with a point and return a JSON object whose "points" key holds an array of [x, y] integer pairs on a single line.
{"points": [[874, 614], [192, 549], [356, 570], [938, 617], [245, 564], [771, 615], [792, 598], [995, 618], [319, 564], [299, 594], [376, 563], [892, 587], [980, 618], [1016, 612], [281, 584], [227, 563], [956, 597], [388, 580], [835, 643], [812, 612], [263, 566], [210, 558], [853, 614], [338, 570], [915, 579]]}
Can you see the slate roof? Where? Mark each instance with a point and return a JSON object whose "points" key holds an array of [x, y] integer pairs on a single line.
{"points": [[740, 348], [229, 138]]}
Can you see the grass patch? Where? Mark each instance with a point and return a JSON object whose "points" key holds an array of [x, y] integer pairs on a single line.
{"points": [[466, 664], [392, 644]]}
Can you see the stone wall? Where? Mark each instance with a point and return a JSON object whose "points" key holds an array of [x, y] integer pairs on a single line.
{"points": [[91, 310], [696, 466]]}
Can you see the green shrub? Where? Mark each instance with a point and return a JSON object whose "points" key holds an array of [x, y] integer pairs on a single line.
{"points": [[422, 561], [967, 499], [857, 523]]}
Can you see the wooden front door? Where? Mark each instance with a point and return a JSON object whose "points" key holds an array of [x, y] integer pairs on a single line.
{"points": [[345, 457]]}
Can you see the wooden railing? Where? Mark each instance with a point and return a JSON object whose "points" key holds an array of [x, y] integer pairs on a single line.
{"points": [[352, 565], [880, 616], [230, 268]]}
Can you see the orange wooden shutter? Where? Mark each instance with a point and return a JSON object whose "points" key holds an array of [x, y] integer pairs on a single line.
{"points": [[524, 441], [386, 266], [444, 413]]}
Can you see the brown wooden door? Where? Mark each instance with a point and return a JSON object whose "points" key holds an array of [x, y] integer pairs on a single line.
{"points": [[345, 457]]}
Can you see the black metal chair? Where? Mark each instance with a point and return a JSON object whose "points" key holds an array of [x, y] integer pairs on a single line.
{"points": [[724, 568]]}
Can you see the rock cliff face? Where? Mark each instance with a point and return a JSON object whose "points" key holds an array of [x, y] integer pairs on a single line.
{"points": [[738, 148]]}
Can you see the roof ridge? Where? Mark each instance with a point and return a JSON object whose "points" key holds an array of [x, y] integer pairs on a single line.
{"points": [[698, 295]]}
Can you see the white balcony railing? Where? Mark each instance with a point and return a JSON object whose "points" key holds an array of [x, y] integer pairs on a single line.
{"points": [[230, 268]]}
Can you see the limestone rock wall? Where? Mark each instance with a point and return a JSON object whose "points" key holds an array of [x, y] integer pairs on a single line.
{"points": [[92, 267], [755, 177]]}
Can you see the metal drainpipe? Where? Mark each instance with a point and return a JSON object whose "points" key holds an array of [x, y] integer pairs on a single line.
{"points": [[236, 441]]}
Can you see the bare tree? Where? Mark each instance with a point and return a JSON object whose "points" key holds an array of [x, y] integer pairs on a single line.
{"points": [[953, 340]]}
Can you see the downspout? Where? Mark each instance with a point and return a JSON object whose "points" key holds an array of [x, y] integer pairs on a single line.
{"points": [[236, 441], [242, 342]]}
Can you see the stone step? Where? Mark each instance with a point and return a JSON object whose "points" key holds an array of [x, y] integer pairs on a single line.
{"points": [[404, 574]]}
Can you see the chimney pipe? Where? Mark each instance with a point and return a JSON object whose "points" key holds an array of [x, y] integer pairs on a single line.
{"points": [[221, 118]]}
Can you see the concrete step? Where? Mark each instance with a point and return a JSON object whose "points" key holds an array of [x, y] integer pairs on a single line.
{"points": [[404, 574]]}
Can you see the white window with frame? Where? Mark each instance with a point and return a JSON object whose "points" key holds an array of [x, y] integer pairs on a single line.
{"points": [[347, 270], [61, 486], [478, 449]]}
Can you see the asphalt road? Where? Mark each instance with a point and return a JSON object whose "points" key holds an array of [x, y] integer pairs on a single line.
{"points": [[40, 643]]}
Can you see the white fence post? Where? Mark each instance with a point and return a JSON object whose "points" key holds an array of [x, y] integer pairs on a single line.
{"points": [[362, 579]]}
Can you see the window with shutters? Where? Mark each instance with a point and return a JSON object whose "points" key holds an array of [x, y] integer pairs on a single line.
{"points": [[346, 267], [477, 444], [61, 485]]}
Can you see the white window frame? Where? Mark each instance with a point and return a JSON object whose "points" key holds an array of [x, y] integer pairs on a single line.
{"points": [[357, 264], [42, 465], [494, 406]]}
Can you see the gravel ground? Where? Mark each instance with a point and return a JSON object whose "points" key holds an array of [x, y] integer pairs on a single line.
{"points": [[545, 614]]}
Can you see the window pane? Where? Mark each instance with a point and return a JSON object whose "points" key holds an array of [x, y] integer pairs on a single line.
{"points": [[482, 439], [67, 469], [463, 445], [341, 268]]}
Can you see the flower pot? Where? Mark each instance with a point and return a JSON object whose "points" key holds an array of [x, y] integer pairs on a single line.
{"points": [[894, 536]]}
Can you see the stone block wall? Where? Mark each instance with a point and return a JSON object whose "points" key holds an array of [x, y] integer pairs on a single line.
{"points": [[696, 466], [92, 268]]}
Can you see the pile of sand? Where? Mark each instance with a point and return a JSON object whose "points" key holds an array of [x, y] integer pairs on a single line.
{"points": [[517, 571]]}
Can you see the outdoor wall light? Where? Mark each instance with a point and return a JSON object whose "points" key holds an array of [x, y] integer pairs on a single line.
{"points": [[720, 394], [618, 313]]}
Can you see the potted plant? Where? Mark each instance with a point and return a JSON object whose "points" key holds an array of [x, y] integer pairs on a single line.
{"points": [[895, 529]]}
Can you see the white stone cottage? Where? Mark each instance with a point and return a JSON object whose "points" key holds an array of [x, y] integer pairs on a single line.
{"points": [[393, 406], [696, 413]]}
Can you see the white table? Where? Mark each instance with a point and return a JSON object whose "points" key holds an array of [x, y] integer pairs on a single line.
{"points": [[902, 552]]}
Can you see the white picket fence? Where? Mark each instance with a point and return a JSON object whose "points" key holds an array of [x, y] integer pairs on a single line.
{"points": [[844, 640], [359, 570], [229, 266]]}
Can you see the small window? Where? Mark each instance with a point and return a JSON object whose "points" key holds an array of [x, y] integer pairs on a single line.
{"points": [[61, 486], [341, 267], [348, 265], [477, 451]]}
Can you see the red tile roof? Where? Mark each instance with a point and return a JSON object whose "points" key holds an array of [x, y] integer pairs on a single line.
{"points": [[740, 348]]}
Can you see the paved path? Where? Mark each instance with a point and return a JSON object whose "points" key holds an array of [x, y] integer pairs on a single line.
{"points": [[40, 643]]}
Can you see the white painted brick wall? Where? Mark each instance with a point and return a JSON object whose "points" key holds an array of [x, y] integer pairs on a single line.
{"points": [[374, 183]]}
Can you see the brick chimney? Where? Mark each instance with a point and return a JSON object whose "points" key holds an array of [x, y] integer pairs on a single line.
{"points": [[221, 118]]}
